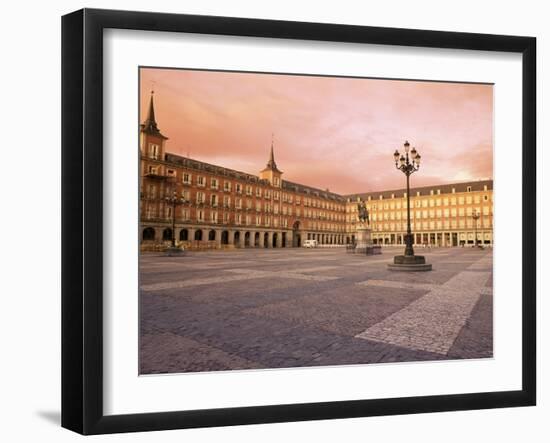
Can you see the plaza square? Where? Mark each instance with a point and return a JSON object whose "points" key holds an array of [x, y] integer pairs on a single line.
{"points": [[283, 308]]}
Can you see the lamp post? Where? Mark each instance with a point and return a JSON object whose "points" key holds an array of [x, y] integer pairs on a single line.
{"points": [[408, 163], [475, 217], [174, 200]]}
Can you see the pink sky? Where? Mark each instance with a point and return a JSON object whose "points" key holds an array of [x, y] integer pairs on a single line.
{"points": [[336, 133]]}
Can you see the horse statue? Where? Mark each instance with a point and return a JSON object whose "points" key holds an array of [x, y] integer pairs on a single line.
{"points": [[363, 213]]}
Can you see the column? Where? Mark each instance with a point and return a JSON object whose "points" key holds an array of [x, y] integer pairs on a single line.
{"points": [[158, 233], [241, 240], [231, 238], [261, 244], [218, 238], [279, 239], [270, 239]]}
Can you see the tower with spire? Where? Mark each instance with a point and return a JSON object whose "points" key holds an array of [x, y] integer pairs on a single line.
{"points": [[151, 139], [271, 172]]}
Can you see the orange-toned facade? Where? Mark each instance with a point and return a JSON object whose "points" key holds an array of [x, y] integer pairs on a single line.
{"points": [[441, 215]]}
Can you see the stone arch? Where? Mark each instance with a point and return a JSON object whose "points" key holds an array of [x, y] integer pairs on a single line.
{"points": [[184, 235], [256, 239], [225, 238], [198, 234], [211, 235], [237, 239], [266, 240], [167, 234], [247, 239], [274, 240], [148, 234]]}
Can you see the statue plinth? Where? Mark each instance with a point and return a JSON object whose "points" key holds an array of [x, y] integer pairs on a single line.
{"points": [[363, 239]]}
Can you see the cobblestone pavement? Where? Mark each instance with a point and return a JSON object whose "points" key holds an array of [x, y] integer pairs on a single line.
{"points": [[278, 308]]}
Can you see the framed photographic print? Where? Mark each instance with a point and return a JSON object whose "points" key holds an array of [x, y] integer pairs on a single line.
{"points": [[269, 221]]}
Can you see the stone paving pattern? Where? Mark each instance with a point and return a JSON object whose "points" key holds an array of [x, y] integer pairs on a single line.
{"points": [[279, 308]]}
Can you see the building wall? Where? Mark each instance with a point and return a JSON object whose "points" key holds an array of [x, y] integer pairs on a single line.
{"points": [[440, 215], [218, 206]]}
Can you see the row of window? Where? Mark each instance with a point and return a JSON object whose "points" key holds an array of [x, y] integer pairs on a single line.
{"points": [[437, 213], [214, 200], [212, 216], [425, 203], [432, 192], [228, 186], [423, 225]]}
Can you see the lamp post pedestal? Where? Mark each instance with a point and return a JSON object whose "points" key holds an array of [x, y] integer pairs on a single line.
{"points": [[174, 251], [409, 261]]}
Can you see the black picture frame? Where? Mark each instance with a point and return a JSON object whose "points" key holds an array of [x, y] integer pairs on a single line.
{"points": [[82, 215]]}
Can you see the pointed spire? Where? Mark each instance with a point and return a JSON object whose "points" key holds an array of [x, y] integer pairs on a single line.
{"points": [[151, 113], [150, 124], [271, 163]]}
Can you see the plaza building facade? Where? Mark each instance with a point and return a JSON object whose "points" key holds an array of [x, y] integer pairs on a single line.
{"points": [[216, 207], [205, 206], [441, 215]]}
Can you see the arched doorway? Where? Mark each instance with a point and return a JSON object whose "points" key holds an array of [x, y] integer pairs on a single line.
{"points": [[257, 240], [225, 238], [184, 235], [198, 234], [266, 240], [237, 239], [148, 234], [167, 234], [283, 242], [247, 239], [211, 235], [274, 242]]}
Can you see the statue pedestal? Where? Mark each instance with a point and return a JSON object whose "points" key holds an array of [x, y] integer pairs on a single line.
{"points": [[362, 240]]}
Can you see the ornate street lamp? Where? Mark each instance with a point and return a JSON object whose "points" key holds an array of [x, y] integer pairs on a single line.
{"points": [[408, 165], [174, 200], [475, 216]]}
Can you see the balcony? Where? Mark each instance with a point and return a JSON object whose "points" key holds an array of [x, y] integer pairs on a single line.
{"points": [[155, 175]]}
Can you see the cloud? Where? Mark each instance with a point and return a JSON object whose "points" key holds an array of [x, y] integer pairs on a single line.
{"points": [[337, 133]]}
